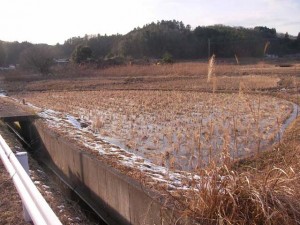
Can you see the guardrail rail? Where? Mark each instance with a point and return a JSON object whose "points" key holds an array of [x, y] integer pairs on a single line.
{"points": [[37, 207]]}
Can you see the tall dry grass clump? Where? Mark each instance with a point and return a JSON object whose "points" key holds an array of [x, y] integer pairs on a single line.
{"points": [[211, 77], [236, 59], [211, 68], [241, 88], [214, 84], [266, 47], [222, 196]]}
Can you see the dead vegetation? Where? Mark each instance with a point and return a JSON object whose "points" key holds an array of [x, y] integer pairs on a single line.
{"points": [[179, 130], [179, 76], [260, 189], [224, 196], [10, 202]]}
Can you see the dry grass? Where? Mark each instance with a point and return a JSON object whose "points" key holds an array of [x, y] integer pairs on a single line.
{"points": [[261, 189], [223, 196], [178, 76], [266, 47], [257, 190], [179, 130], [10, 202], [182, 68], [211, 68], [250, 82]]}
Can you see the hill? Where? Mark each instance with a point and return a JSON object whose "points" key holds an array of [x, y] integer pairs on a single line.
{"points": [[156, 39]]}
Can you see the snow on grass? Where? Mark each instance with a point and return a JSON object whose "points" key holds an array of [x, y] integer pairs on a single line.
{"points": [[60, 121], [178, 130], [153, 131]]}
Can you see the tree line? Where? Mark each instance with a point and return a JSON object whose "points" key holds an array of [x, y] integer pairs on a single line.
{"points": [[163, 37]]}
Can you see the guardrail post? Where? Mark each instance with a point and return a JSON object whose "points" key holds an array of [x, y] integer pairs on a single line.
{"points": [[23, 159]]}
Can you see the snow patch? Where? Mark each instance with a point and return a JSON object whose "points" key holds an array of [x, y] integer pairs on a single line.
{"points": [[73, 121], [72, 128]]}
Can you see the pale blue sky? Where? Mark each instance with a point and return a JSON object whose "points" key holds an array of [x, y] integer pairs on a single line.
{"points": [[45, 21]]}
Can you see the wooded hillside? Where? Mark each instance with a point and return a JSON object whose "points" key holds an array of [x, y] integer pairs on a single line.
{"points": [[173, 37]]}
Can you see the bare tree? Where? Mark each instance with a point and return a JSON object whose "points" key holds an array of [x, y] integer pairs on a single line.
{"points": [[38, 58]]}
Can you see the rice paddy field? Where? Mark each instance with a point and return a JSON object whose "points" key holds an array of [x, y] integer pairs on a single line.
{"points": [[175, 115], [179, 130], [220, 141]]}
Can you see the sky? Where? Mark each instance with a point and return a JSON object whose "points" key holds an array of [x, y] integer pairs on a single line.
{"points": [[51, 22]]}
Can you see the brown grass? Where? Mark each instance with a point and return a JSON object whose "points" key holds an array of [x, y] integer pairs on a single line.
{"points": [[10, 202], [223, 196], [266, 47], [261, 189], [178, 76], [155, 123], [258, 190]]}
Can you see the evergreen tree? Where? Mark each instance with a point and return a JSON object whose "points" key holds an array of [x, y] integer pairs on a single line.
{"points": [[81, 54], [2, 54]]}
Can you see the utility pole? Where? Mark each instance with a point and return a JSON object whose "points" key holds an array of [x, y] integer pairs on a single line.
{"points": [[208, 43]]}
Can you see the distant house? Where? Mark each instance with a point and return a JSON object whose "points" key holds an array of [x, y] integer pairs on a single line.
{"points": [[271, 56], [10, 67], [61, 61]]}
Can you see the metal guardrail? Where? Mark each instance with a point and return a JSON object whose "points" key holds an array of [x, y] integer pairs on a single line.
{"points": [[37, 207]]}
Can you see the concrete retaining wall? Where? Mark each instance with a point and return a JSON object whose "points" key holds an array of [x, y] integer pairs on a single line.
{"points": [[116, 197]]}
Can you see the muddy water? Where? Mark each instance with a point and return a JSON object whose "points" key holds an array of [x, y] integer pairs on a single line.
{"points": [[190, 133], [187, 158], [2, 93], [292, 117]]}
